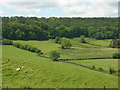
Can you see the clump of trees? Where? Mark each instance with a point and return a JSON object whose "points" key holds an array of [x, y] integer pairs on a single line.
{"points": [[27, 47], [54, 55], [65, 43], [82, 39], [115, 43], [116, 55], [7, 42]]}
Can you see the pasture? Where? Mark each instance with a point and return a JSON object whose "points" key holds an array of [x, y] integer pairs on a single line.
{"points": [[78, 50], [38, 72]]}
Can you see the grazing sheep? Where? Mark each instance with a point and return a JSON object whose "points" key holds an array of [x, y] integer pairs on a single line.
{"points": [[31, 69], [22, 67], [24, 62], [18, 69]]}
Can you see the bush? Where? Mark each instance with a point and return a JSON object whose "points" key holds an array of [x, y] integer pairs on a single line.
{"points": [[65, 43], [7, 42], [38, 54], [16, 45], [111, 70], [30, 48], [82, 39], [93, 67], [27, 47], [58, 40], [37, 50], [116, 55], [100, 69], [115, 43], [54, 55]]}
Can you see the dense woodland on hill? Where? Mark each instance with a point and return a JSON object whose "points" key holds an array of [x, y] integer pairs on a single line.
{"points": [[33, 28]]}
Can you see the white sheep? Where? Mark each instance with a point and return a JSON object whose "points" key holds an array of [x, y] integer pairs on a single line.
{"points": [[18, 69]]}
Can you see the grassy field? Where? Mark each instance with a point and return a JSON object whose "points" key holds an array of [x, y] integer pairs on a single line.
{"points": [[40, 72], [78, 50], [45, 46], [101, 43], [104, 63]]}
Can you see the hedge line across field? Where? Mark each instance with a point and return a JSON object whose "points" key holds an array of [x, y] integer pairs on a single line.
{"points": [[28, 47]]}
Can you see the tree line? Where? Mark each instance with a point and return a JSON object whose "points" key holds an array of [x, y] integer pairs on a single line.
{"points": [[34, 28]]}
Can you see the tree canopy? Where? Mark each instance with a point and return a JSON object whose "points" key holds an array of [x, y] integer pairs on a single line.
{"points": [[34, 28]]}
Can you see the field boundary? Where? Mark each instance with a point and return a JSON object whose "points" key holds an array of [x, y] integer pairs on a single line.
{"points": [[90, 68], [84, 59]]}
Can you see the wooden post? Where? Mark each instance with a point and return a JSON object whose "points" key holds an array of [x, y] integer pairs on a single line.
{"points": [[104, 87], [57, 89]]}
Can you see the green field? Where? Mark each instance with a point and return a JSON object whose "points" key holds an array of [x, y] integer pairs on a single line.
{"points": [[104, 63], [40, 72], [45, 46], [78, 50]]}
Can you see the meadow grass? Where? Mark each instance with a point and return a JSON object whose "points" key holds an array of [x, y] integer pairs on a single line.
{"points": [[77, 51], [46, 73], [81, 53], [45, 46], [101, 43], [104, 63]]}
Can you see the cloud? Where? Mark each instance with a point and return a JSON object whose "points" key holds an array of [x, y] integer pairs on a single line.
{"points": [[2, 12], [71, 8], [30, 7], [90, 9]]}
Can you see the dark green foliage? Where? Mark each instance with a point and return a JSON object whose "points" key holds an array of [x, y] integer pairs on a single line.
{"points": [[16, 45], [115, 43], [65, 43], [7, 42], [116, 55], [27, 47], [100, 69], [37, 50], [38, 54], [93, 67], [57, 40], [54, 55], [33, 28], [111, 70], [82, 39]]}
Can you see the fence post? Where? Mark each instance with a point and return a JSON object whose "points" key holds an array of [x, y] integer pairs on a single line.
{"points": [[57, 89], [104, 87]]}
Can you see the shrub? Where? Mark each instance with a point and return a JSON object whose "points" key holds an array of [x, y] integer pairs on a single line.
{"points": [[27, 47], [115, 43], [7, 42], [65, 43], [30, 48], [21, 46], [37, 50], [38, 54], [100, 69], [93, 67], [116, 55], [58, 40], [111, 70], [82, 39], [54, 55], [16, 45]]}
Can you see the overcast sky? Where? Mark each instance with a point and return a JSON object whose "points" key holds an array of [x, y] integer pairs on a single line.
{"points": [[59, 8]]}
